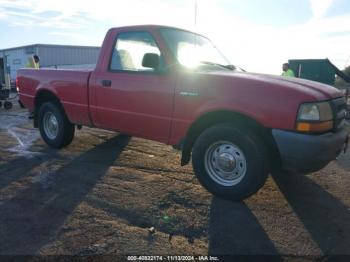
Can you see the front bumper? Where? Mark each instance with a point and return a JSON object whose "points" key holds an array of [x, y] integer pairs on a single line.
{"points": [[308, 153]]}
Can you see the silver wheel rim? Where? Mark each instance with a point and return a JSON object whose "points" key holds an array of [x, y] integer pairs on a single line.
{"points": [[225, 163], [50, 125]]}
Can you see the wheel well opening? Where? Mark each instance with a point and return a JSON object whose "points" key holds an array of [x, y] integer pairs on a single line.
{"points": [[41, 98], [222, 117]]}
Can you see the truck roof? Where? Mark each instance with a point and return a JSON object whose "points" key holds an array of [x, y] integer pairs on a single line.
{"points": [[150, 27]]}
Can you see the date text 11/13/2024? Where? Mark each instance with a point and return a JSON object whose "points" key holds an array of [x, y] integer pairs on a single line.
{"points": [[172, 258]]}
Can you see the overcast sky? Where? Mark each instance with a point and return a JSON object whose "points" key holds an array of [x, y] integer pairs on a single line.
{"points": [[258, 35]]}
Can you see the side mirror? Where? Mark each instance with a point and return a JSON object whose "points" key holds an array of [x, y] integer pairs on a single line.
{"points": [[151, 60]]}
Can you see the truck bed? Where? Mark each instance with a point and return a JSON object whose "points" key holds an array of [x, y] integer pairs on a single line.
{"points": [[71, 86]]}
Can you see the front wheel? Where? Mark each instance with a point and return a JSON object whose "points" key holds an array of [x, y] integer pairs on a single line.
{"points": [[54, 126], [230, 162]]}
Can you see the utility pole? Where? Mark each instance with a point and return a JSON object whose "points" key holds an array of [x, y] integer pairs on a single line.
{"points": [[347, 62], [195, 13]]}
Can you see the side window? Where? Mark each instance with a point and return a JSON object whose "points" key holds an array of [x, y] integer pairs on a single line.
{"points": [[130, 49]]}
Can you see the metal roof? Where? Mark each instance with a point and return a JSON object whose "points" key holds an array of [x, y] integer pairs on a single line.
{"points": [[49, 45]]}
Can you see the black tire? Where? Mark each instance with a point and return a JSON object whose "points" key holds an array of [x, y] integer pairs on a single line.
{"points": [[64, 129], [0, 104], [7, 105], [253, 166]]}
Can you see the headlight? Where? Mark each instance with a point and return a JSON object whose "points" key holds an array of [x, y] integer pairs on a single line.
{"points": [[315, 112], [315, 117]]}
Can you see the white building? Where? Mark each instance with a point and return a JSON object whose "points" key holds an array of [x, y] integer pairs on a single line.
{"points": [[51, 56]]}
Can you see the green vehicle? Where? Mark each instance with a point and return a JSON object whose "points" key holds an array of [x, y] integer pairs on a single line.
{"points": [[319, 70]]}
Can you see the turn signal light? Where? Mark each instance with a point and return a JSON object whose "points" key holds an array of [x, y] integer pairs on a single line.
{"points": [[314, 126]]}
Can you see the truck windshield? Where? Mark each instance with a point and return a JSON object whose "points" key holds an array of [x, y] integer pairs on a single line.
{"points": [[192, 50]]}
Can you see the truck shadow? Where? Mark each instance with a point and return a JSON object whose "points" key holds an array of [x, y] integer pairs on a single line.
{"points": [[324, 216], [30, 219], [234, 230], [21, 166]]}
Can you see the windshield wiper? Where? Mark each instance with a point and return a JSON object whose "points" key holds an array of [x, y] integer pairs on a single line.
{"points": [[230, 67]]}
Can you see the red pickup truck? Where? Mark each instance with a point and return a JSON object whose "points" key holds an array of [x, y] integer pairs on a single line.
{"points": [[173, 86]]}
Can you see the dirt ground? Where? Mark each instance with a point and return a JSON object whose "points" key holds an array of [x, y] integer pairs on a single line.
{"points": [[101, 195]]}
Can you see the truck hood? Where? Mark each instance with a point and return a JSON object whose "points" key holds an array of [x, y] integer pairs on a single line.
{"points": [[312, 88]]}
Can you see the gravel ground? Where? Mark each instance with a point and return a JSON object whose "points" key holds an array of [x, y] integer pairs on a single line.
{"points": [[103, 193]]}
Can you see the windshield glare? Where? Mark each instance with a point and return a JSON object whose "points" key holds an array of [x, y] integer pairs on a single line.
{"points": [[192, 50]]}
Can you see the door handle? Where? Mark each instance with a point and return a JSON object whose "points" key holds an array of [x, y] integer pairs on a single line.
{"points": [[106, 82]]}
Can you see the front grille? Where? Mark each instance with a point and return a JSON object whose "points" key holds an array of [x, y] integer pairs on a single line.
{"points": [[339, 112]]}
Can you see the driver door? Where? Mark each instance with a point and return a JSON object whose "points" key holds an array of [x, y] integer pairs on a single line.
{"points": [[130, 97]]}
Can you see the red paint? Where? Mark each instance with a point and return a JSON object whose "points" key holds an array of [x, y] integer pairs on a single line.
{"points": [[151, 105]]}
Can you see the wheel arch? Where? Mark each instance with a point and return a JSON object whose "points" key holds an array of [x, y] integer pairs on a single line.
{"points": [[41, 97], [225, 117]]}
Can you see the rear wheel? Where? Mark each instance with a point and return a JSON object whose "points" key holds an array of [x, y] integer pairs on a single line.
{"points": [[230, 162], [54, 126]]}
